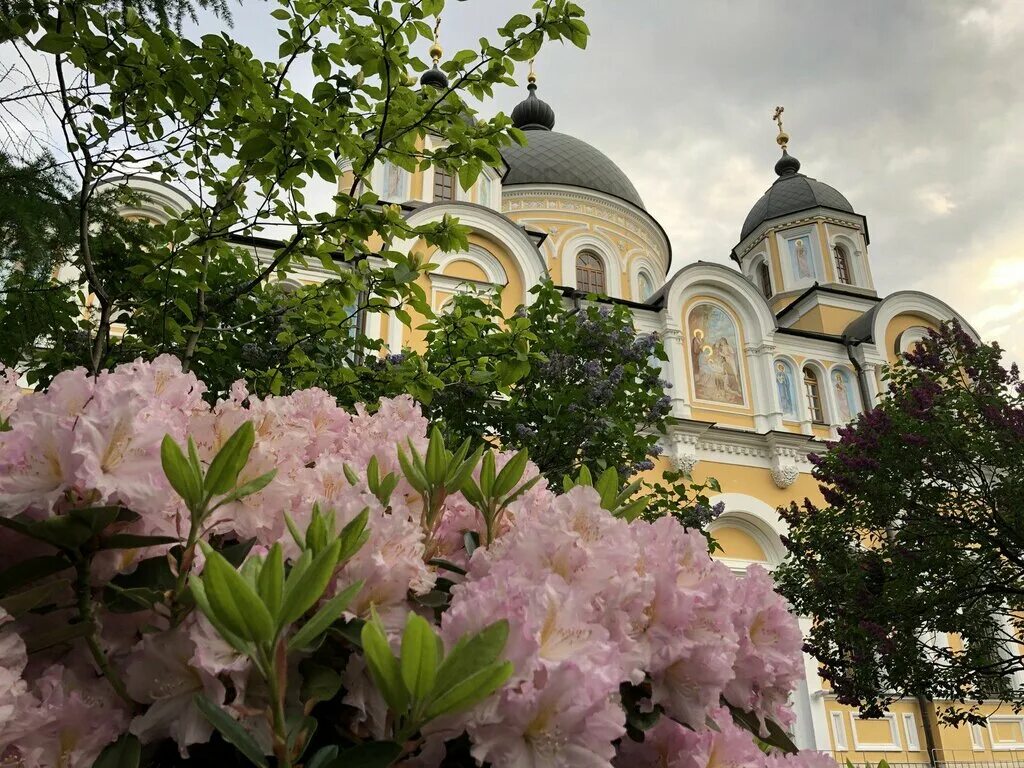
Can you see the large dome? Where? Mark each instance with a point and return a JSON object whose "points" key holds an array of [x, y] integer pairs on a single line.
{"points": [[792, 192], [557, 158]]}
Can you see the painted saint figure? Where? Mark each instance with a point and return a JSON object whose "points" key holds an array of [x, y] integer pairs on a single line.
{"points": [[802, 259], [714, 341], [842, 390], [784, 382]]}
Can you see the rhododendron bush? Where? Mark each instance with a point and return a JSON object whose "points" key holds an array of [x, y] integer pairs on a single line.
{"points": [[282, 582]]}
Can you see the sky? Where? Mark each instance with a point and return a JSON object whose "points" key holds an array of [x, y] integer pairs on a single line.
{"points": [[913, 109]]}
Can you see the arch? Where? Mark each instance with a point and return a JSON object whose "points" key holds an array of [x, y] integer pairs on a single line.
{"points": [[287, 284], [842, 384], [640, 264], [817, 402], [855, 258], [715, 343], [478, 256], [842, 265], [591, 274], [589, 241], [757, 519], [909, 338], [158, 200], [731, 288], [644, 286], [916, 303], [788, 388]]}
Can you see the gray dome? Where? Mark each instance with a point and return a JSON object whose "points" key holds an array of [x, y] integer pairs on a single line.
{"points": [[557, 158], [793, 192]]}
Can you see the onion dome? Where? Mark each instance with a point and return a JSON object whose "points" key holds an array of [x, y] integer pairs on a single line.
{"points": [[549, 157], [792, 192], [434, 77], [532, 114]]}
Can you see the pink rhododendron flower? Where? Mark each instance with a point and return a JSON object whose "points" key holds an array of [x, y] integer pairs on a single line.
{"points": [[10, 392]]}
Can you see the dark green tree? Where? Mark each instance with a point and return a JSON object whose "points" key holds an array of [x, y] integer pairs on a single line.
{"points": [[129, 95], [587, 387], [922, 538]]}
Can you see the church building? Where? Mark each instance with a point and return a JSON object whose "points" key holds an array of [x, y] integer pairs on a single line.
{"points": [[767, 355]]}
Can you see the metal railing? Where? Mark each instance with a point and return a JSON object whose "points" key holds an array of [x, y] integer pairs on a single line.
{"points": [[944, 758]]}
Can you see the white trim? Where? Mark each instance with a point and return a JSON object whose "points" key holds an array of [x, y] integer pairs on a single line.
{"points": [[758, 520], [977, 738], [158, 201], [478, 256], [910, 732], [1006, 746], [917, 303], [823, 392], [893, 746], [840, 742], [590, 241]]}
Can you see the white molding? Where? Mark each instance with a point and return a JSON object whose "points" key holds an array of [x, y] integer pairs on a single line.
{"points": [[159, 200], [1006, 746], [894, 745], [825, 215], [591, 241], [913, 302], [840, 740], [729, 286], [477, 255], [758, 520], [543, 200], [910, 732]]}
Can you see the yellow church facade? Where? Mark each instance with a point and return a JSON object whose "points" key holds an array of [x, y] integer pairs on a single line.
{"points": [[767, 357]]}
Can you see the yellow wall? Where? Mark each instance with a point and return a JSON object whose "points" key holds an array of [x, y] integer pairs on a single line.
{"points": [[737, 544], [899, 324], [465, 270], [826, 319]]}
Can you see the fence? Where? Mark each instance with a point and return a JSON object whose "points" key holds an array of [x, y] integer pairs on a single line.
{"points": [[944, 758]]}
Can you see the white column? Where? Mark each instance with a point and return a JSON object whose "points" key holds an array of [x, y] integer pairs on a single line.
{"points": [[762, 393], [673, 370]]}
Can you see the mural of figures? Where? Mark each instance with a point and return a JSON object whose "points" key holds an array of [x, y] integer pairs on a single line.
{"points": [[846, 402], [784, 381], [394, 183], [714, 345], [800, 256]]}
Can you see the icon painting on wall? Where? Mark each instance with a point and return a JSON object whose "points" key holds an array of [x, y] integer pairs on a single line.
{"points": [[800, 258], [784, 380], [714, 355], [845, 402]]}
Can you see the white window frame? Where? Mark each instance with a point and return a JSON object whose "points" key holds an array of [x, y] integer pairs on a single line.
{"points": [[977, 738], [839, 740], [1006, 746], [894, 744], [910, 732]]}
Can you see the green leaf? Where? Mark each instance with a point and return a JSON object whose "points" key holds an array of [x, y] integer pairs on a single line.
{"points": [[324, 757], [319, 683], [135, 541], [22, 602], [248, 489], [126, 752], [233, 601], [420, 657], [180, 473], [384, 667], [322, 620], [30, 570], [231, 730], [470, 654], [376, 754], [270, 581], [470, 690], [353, 535], [41, 640], [436, 465], [203, 603], [777, 737], [302, 590], [229, 461]]}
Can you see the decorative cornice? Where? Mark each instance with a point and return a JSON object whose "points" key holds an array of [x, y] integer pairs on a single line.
{"points": [[765, 230], [784, 454]]}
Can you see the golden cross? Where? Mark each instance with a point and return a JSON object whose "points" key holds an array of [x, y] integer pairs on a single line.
{"points": [[532, 76], [777, 117], [437, 27]]}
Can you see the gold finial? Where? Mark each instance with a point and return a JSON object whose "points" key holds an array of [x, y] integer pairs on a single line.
{"points": [[435, 49], [783, 138], [532, 77]]}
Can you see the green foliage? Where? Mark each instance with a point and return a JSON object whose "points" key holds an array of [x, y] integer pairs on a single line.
{"points": [[424, 683], [922, 538], [575, 385], [207, 113]]}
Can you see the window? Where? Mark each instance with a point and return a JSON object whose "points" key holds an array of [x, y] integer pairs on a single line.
{"points": [[589, 272], [813, 392], [839, 743], [843, 266], [977, 738], [646, 286], [910, 729], [764, 276], [444, 185]]}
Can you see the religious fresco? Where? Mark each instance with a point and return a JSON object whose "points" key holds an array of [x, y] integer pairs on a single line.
{"points": [[845, 396], [394, 183], [714, 355], [785, 382], [801, 257]]}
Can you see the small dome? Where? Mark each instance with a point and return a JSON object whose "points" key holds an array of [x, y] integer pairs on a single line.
{"points": [[434, 77], [557, 158], [792, 192], [532, 114]]}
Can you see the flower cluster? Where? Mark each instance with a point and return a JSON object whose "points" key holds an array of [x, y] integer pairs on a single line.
{"points": [[592, 603]]}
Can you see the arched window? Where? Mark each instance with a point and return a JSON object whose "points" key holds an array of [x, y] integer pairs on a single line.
{"points": [[844, 389], [645, 285], [715, 347], [843, 266], [813, 392], [444, 185], [764, 276], [589, 272]]}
